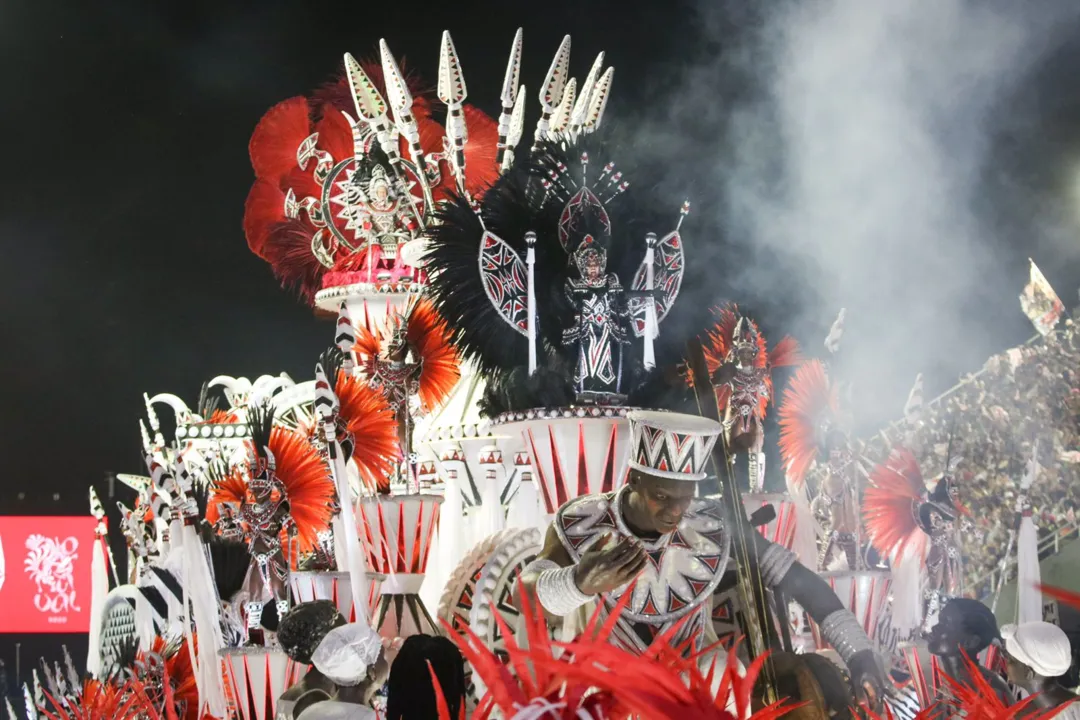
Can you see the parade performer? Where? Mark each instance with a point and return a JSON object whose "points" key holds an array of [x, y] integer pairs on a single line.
{"points": [[352, 658], [907, 524], [300, 633], [813, 426], [964, 629], [287, 498], [412, 362], [741, 368], [576, 320], [1037, 654], [654, 536]]}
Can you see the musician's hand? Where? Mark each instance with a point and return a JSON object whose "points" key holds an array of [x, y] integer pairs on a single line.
{"points": [[611, 564], [868, 679]]}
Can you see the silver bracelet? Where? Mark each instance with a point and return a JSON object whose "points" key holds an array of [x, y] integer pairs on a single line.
{"points": [[557, 591], [775, 563], [842, 630]]}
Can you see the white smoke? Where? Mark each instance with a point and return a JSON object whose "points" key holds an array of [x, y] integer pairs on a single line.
{"points": [[852, 176]]}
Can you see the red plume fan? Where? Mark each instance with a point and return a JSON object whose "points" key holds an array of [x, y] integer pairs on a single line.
{"points": [[808, 401], [308, 486], [231, 488], [263, 209], [592, 678], [280, 131], [369, 419], [890, 506]]}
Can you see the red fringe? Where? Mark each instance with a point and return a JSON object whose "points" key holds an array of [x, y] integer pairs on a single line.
{"points": [[896, 487], [280, 131]]}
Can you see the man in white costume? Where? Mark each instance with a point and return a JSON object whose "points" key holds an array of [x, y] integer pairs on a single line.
{"points": [[1039, 653], [677, 547]]}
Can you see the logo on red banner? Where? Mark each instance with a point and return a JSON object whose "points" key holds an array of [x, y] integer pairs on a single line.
{"points": [[45, 574]]}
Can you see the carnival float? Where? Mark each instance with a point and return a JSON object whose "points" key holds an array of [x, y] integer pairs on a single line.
{"points": [[500, 314]]}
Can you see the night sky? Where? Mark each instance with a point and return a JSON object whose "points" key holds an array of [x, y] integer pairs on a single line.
{"points": [[123, 266]]}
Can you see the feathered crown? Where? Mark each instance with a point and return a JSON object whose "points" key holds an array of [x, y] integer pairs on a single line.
{"points": [[319, 159]]}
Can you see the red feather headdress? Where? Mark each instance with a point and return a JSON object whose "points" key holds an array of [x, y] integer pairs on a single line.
{"points": [[429, 337], [810, 400], [286, 242], [891, 504], [717, 343], [308, 486]]}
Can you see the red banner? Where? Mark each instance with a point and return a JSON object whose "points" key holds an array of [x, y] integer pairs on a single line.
{"points": [[45, 574]]}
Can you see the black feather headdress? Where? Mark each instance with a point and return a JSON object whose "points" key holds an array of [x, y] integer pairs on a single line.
{"points": [[567, 192]]}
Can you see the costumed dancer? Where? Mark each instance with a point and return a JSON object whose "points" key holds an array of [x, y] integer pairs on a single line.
{"points": [[654, 540], [351, 657], [286, 500], [579, 321], [741, 367], [1038, 653], [964, 628], [411, 360], [813, 428], [909, 525]]}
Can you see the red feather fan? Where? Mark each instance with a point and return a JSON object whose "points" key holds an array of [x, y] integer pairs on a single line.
{"points": [[890, 503], [272, 147], [230, 489], [809, 399], [429, 338], [307, 482], [369, 419]]}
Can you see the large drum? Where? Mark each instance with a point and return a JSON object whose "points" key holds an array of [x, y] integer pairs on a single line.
{"points": [[335, 587], [574, 451], [396, 532], [256, 678]]}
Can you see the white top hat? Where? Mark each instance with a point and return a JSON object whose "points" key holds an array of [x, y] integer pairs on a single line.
{"points": [[671, 445]]}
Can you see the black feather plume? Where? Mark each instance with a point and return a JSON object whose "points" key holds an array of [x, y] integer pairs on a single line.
{"points": [[261, 423], [331, 361], [230, 560]]}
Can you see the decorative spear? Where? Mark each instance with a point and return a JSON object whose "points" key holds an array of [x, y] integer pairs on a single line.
{"points": [[509, 99], [400, 99], [452, 92], [552, 91], [581, 107]]}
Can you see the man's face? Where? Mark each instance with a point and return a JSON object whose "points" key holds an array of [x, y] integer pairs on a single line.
{"points": [[949, 636], [1016, 670], [664, 501]]}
